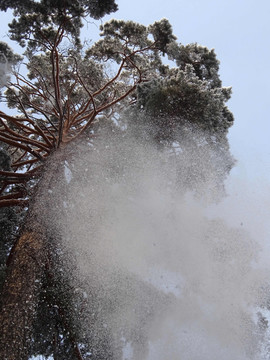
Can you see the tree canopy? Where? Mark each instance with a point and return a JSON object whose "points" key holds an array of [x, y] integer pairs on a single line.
{"points": [[69, 92]]}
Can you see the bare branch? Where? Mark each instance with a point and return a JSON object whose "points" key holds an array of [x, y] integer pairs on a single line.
{"points": [[19, 122], [17, 137], [11, 174], [13, 202], [16, 195], [21, 146]]}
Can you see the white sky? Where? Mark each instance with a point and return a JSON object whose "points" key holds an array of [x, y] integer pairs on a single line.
{"points": [[239, 32]]}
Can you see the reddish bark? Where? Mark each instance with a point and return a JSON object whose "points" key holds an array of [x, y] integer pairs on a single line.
{"points": [[20, 293]]}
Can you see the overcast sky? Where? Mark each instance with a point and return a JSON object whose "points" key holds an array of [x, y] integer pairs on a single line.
{"points": [[239, 32]]}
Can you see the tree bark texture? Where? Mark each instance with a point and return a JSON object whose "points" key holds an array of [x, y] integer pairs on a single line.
{"points": [[25, 270], [20, 295]]}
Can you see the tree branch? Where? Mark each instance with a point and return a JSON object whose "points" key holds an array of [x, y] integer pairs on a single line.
{"points": [[13, 202]]}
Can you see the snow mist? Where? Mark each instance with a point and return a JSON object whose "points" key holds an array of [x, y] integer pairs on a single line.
{"points": [[160, 278]]}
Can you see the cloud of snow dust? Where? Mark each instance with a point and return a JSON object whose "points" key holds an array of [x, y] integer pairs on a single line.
{"points": [[5, 70], [163, 278]]}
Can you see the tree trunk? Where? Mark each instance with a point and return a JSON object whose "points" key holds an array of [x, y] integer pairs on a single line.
{"points": [[26, 267], [20, 294]]}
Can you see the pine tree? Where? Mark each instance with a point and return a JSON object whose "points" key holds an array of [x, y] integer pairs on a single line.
{"points": [[67, 93]]}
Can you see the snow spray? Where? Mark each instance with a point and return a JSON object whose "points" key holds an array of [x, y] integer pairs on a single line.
{"points": [[164, 276]]}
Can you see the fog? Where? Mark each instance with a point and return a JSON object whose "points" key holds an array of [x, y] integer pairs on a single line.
{"points": [[163, 271]]}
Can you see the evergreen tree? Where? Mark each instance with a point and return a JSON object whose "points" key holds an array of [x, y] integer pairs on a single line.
{"points": [[67, 95], [186, 112]]}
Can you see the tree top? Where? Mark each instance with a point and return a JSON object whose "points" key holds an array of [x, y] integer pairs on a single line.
{"points": [[35, 19]]}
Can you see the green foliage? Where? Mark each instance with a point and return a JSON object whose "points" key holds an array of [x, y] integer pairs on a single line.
{"points": [[203, 61], [35, 20], [72, 65], [126, 39], [191, 93], [7, 54], [162, 33], [183, 95], [192, 90], [184, 109]]}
